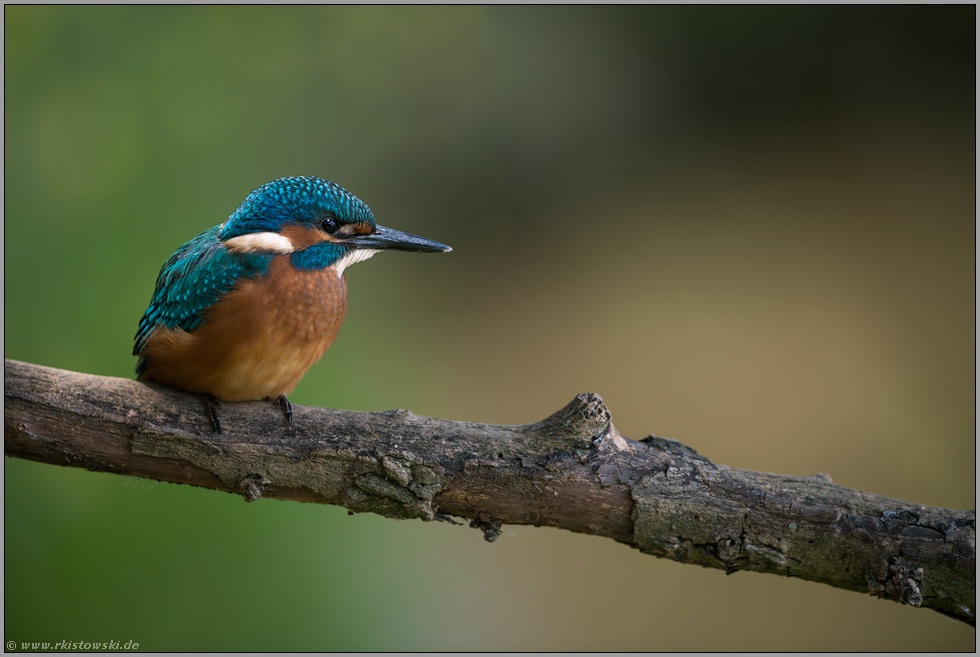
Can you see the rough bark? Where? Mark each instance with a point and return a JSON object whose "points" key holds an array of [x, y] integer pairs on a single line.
{"points": [[571, 470]]}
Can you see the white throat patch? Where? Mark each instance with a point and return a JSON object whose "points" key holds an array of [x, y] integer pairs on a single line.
{"points": [[357, 255], [259, 242]]}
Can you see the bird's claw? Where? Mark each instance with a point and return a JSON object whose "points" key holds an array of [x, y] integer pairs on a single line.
{"points": [[211, 407], [285, 406]]}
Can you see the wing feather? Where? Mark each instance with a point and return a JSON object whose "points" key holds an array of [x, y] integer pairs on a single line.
{"points": [[196, 277]]}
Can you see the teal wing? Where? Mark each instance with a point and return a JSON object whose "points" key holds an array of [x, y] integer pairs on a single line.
{"points": [[191, 281]]}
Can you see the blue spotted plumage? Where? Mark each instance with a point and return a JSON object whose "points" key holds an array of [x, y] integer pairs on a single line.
{"points": [[294, 199], [245, 308], [191, 281]]}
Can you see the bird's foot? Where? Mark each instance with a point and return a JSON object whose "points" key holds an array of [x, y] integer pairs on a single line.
{"points": [[211, 407], [283, 405]]}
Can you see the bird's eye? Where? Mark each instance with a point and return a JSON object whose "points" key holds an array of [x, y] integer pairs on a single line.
{"points": [[329, 225]]}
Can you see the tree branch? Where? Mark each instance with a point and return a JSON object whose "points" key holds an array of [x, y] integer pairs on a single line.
{"points": [[571, 470]]}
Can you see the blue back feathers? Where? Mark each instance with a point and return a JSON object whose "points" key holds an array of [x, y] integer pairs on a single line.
{"points": [[193, 279], [203, 270]]}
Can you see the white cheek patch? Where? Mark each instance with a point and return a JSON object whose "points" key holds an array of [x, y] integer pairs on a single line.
{"points": [[357, 255], [267, 242]]}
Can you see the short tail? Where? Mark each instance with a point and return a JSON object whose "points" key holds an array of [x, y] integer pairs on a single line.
{"points": [[141, 366]]}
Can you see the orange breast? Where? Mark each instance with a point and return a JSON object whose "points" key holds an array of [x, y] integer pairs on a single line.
{"points": [[259, 340]]}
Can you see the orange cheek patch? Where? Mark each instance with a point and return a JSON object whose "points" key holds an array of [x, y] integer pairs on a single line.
{"points": [[362, 229], [303, 237]]}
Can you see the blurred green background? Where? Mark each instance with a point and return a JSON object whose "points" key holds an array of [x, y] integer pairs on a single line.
{"points": [[748, 229]]}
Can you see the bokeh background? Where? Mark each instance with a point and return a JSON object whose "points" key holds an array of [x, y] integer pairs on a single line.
{"points": [[749, 229]]}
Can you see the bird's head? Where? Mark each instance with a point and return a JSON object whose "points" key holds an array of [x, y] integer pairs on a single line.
{"points": [[317, 221]]}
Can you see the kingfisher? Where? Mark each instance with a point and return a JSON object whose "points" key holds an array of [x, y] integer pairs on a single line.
{"points": [[244, 309]]}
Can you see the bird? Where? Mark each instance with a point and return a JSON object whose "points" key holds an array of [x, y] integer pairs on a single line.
{"points": [[244, 309]]}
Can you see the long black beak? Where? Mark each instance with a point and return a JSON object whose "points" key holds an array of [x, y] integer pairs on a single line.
{"points": [[387, 239]]}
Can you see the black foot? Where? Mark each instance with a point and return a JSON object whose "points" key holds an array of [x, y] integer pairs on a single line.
{"points": [[283, 405], [211, 408]]}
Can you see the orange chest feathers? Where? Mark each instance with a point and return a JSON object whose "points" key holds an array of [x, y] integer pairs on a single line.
{"points": [[291, 308], [259, 340], [281, 324]]}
